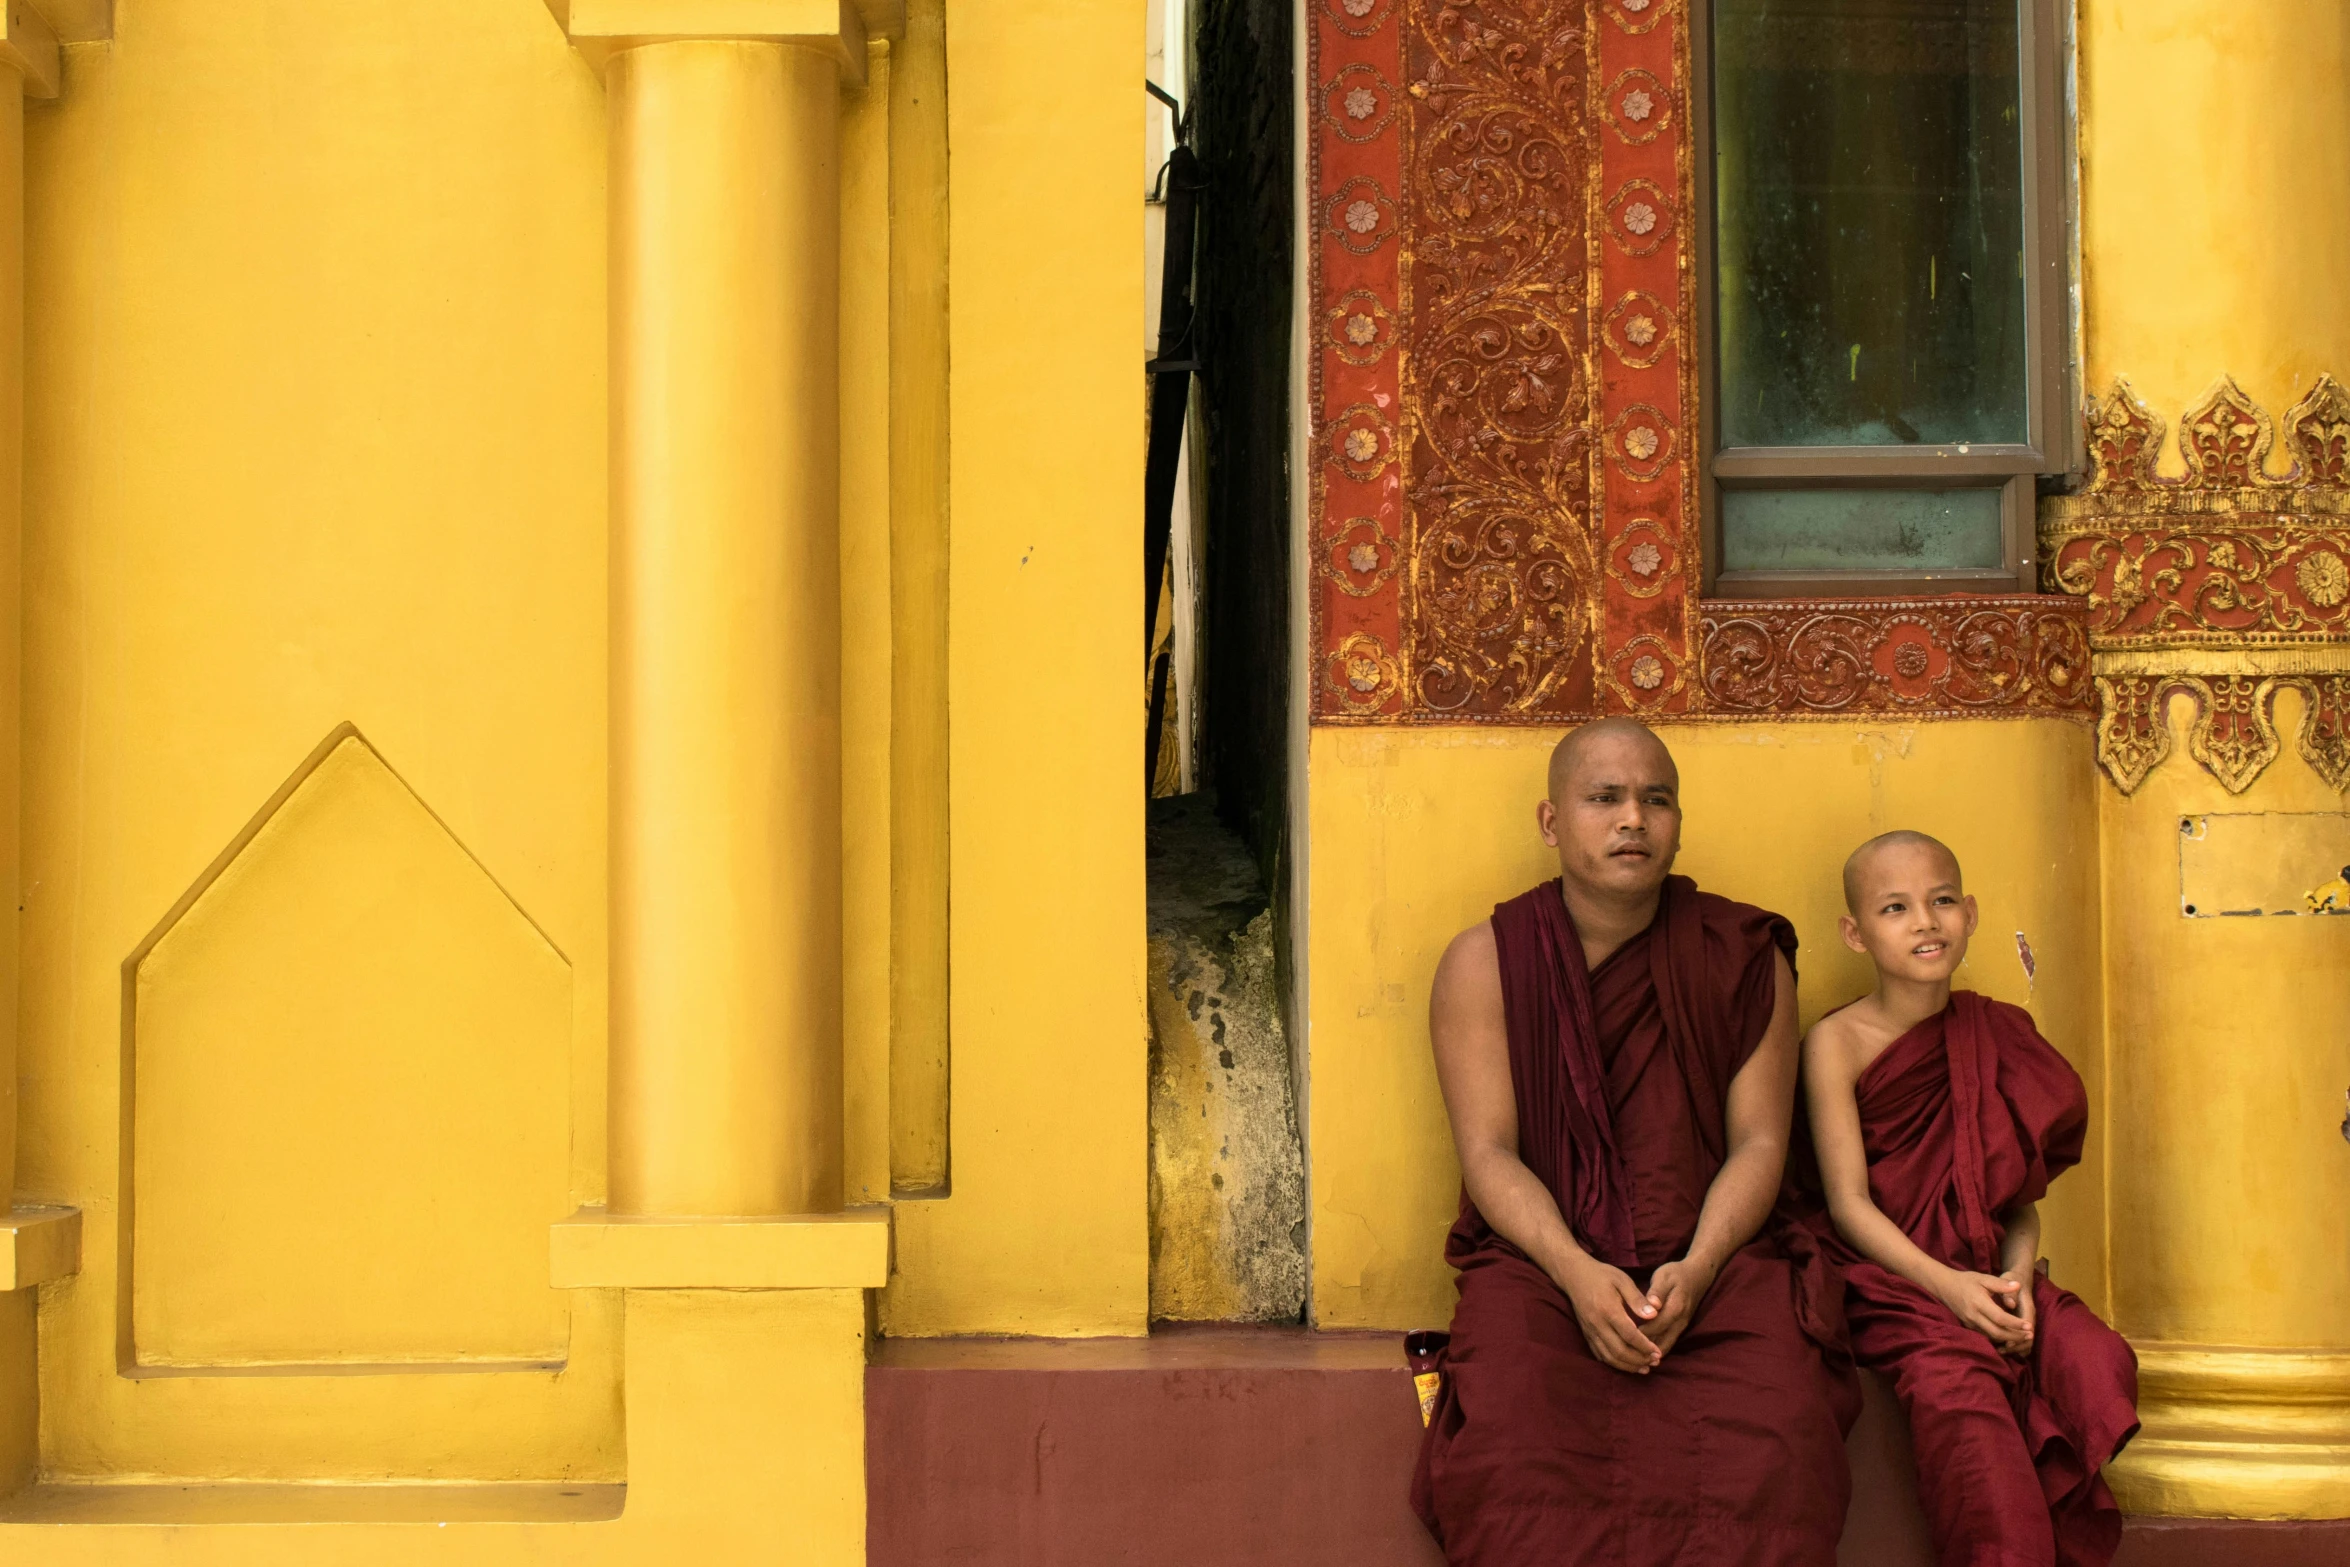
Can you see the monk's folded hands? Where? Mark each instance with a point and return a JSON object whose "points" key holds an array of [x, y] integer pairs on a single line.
{"points": [[1609, 1308], [2024, 1303], [1675, 1291], [1985, 1303]]}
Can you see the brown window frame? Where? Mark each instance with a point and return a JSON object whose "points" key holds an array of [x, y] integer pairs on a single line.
{"points": [[2050, 329]]}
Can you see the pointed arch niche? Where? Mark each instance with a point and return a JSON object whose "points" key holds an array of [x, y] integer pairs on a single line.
{"points": [[346, 1117]]}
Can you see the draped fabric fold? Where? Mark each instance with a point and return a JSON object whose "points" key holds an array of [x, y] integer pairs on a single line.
{"points": [[1731, 1453], [1964, 1117]]}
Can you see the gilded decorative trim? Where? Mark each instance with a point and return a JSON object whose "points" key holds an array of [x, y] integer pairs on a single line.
{"points": [[1938, 657], [2228, 580]]}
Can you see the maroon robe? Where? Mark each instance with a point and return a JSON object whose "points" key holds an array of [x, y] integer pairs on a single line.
{"points": [[1730, 1453], [1964, 1116]]}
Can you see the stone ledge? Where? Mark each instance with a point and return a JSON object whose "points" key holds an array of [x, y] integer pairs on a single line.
{"points": [[38, 1244], [596, 1250]]}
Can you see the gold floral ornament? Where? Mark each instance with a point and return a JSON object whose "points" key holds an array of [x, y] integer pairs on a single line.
{"points": [[1361, 674], [1638, 329], [1362, 443], [1360, 328], [1639, 106], [2324, 580], [1363, 558], [1358, 103], [1639, 217], [1642, 672], [1642, 441], [1640, 562], [1360, 215]]}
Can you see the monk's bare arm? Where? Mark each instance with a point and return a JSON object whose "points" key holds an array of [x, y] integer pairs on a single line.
{"points": [[1829, 1073], [1471, 1040], [1760, 1109], [2019, 1260]]}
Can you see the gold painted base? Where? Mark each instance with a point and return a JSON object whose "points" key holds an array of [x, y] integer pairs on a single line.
{"points": [[2238, 1433]]}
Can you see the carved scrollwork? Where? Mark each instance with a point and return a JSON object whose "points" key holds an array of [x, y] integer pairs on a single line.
{"points": [[2232, 731], [1502, 559], [1910, 655], [2228, 581]]}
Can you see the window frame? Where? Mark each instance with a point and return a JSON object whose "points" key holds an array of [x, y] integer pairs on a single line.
{"points": [[2048, 139]]}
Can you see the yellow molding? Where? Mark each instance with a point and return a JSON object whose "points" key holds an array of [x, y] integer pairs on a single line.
{"points": [[38, 1244], [78, 21], [596, 1250], [28, 44], [601, 28]]}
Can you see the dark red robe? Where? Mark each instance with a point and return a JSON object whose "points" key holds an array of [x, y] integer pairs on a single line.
{"points": [[1964, 1116], [1729, 1454]]}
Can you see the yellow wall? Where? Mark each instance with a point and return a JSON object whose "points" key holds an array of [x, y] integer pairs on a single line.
{"points": [[1418, 833], [2228, 1095], [1047, 1227], [316, 434], [2215, 152]]}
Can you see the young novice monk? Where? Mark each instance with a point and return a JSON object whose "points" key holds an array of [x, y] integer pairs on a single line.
{"points": [[1940, 1118]]}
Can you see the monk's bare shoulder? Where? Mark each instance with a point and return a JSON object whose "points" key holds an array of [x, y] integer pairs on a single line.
{"points": [[1468, 976], [1832, 1048]]}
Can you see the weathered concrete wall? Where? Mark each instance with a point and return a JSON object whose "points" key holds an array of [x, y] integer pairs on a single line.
{"points": [[1227, 1176]]}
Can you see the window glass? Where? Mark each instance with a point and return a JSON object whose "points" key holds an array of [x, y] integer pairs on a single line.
{"points": [[1869, 184], [1860, 530]]}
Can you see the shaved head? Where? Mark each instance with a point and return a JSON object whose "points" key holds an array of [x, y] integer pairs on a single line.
{"points": [[1579, 741], [1857, 867]]}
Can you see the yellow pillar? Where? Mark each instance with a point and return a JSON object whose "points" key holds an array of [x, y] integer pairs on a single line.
{"points": [[12, 95], [725, 808], [35, 1245], [2215, 167], [2216, 219], [28, 69]]}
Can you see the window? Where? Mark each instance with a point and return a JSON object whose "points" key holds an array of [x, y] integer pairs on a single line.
{"points": [[1887, 339]]}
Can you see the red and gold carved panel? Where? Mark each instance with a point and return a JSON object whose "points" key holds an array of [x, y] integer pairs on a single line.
{"points": [[1876, 656], [1504, 514], [2227, 581]]}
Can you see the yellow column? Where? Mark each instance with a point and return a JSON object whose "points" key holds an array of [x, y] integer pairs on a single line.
{"points": [[28, 68], [2215, 167], [12, 95], [725, 653], [2216, 219], [36, 1245]]}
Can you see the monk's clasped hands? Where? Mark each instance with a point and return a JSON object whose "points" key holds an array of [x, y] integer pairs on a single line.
{"points": [[1998, 1307], [1675, 1290], [1613, 1315]]}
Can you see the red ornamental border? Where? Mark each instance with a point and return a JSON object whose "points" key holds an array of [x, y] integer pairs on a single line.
{"points": [[1504, 515]]}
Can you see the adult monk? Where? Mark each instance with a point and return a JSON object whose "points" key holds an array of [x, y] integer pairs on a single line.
{"points": [[1941, 1117], [1633, 1375]]}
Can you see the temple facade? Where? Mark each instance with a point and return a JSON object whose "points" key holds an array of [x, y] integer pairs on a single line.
{"points": [[606, 963]]}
